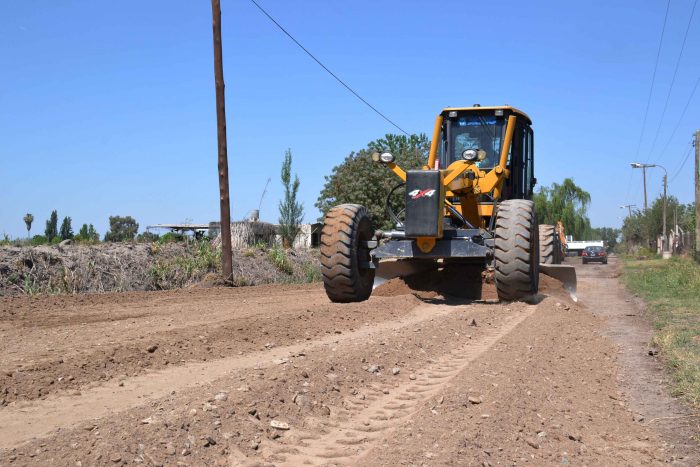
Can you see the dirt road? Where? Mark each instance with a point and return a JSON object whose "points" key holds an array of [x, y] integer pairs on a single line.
{"points": [[279, 375]]}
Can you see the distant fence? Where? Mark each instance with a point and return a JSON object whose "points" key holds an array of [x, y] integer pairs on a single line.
{"points": [[679, 242]]}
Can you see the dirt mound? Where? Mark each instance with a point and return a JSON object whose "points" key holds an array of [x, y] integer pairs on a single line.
{"points": [[121, 267]]}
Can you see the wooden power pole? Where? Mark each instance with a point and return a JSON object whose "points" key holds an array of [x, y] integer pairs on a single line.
{"points": [[226, 255], [697, 195]]}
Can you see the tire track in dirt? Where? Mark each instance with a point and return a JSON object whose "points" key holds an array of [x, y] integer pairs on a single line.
{"points": [[26, 420], [351, 434]]}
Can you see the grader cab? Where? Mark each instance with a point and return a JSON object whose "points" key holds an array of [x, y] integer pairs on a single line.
{"points": [[469, 205]]}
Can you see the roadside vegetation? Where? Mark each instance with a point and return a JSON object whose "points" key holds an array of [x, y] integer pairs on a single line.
{"points": [[641, 229], [61, 261], [671, 289]]}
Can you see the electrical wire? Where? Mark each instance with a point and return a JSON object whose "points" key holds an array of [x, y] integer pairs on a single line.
{"points": [[343, 83], [680, 169], [678, 124], [673, 80], [653, 80]]}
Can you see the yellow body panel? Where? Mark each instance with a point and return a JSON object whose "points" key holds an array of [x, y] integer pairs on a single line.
{"points": [[463, 179]]}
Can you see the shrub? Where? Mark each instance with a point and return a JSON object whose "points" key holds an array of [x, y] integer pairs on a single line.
{"points": [[39, 240], [278, 257]]}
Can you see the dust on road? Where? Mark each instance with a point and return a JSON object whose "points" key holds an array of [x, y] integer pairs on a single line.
{"points": [[279, 375]]}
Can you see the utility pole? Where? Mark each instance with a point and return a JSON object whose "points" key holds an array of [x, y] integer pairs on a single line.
{"points": [[629, 208], [226, 254], [644, 174], [644, 167], [697, 195], [664, 242]]}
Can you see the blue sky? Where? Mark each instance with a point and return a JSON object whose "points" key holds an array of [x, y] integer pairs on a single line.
{"points": [[108, 107]]}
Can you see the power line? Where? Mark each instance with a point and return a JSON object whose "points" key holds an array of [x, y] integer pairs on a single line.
{"points": [[680, 119], [653, 79], [673, 80], [680, 169], [326, 68], [651, 91]]}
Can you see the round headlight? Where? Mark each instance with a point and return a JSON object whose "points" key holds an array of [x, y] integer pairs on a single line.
{"points": [[386, 157], [470, 154]]}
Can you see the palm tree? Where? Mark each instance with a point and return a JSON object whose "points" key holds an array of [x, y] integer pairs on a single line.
{"points": [[28, 219]]}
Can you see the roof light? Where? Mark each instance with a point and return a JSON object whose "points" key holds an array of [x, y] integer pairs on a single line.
{"points": [[452, 114]]}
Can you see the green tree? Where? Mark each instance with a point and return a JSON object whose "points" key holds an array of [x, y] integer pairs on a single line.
{"points": [[28, 219], [121, 229], [565, 202], [291, 211], [87, 233], [147, 237], [609, 235], [643, 228], [360, 180], [66, 229], [51, 229]]}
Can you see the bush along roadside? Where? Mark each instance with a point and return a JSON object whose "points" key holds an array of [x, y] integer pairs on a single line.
{"points": [[117, 267], [671, 289]]}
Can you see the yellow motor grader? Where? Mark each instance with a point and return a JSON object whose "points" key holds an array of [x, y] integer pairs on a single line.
{"points": [[470, 204]]}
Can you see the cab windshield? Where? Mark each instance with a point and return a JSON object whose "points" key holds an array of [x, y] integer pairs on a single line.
{"points": [[473, 132]]}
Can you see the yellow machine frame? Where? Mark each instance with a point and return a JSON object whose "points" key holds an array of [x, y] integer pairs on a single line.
{"points": [[468, 188]]}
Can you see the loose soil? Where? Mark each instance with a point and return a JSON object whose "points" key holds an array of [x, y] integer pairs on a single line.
{"points": [[278, 375]]}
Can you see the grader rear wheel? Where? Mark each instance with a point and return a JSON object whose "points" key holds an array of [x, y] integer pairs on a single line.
{"points": [[550, 245], [344, 254], [516, 250]]}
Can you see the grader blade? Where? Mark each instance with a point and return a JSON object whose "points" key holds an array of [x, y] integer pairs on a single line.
{"points": [[390, 269], [563, 273]]}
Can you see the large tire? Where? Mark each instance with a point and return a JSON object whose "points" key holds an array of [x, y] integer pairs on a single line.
{"points": [[343, 253], [550, 245], [516, 250]]}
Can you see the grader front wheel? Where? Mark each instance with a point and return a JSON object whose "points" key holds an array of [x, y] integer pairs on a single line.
{"points": [[516, 250], [344, 253]]}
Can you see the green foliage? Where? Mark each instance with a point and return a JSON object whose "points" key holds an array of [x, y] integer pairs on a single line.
{"points": [[87, 234], [51, 229], [670, 288], [642, 228], [311, 270], [609, 235], [39, 240], [360, 180], [147, 237], [5, 240], [121, 229], [565, 202], [66, 229], [171, 237], [28, 219], [55, 241], [201, 258], [278, 257], [291, 211]]}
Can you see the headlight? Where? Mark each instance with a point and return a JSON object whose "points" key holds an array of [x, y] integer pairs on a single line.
{"points": [[470, 154], [386, 157]]}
